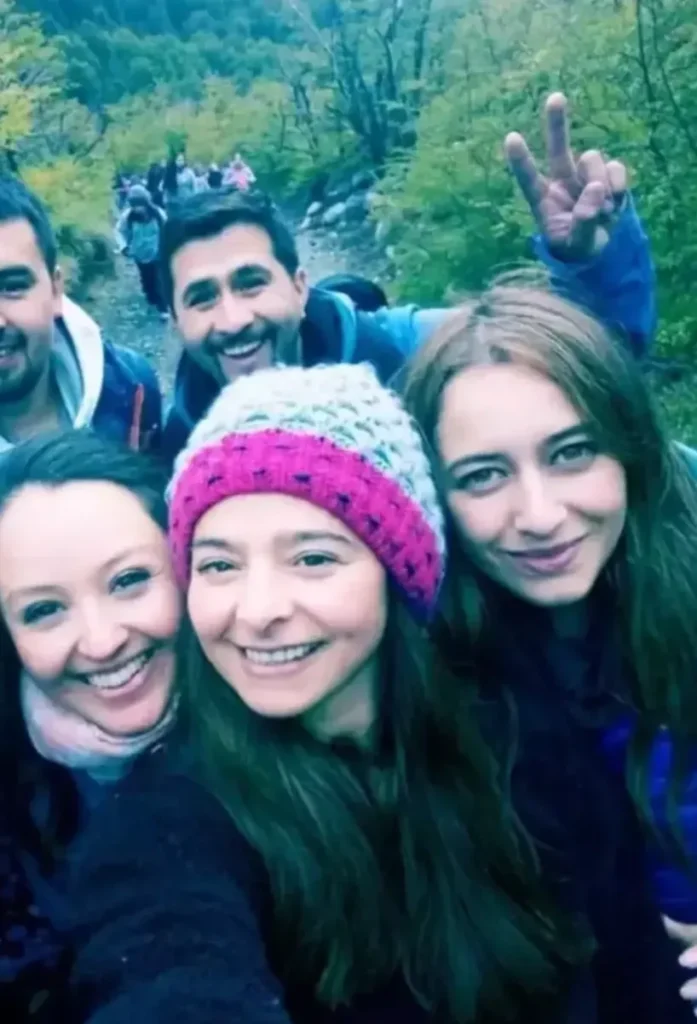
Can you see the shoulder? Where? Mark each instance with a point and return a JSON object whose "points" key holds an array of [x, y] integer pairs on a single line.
{"points": [[166, 826]]}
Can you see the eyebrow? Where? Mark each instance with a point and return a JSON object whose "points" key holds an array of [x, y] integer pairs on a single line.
{"points": [[250, 270], [196, 289], [289, 539], [42, 588], [561, 435]]}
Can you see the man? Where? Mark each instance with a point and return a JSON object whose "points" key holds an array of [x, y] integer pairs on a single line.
{"points": [[241, 301], [55, 370]]}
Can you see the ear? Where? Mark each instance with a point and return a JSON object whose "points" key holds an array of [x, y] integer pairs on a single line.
{"points": [[301, 285], [58, 286]]}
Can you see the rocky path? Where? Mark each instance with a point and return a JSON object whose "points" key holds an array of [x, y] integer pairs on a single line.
{"points": [[120, 310]]}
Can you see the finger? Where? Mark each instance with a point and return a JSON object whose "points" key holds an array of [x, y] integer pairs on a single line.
{"points": [[689, 958], [591, 167], [689, 990], [685, 933], [531, 183], [617, 177], [558, 196], [559, 155], [584, 237]]}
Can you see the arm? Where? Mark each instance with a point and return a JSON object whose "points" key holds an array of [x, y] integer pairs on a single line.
{"points": [[590, 236], [167, 928], [618, 284]]}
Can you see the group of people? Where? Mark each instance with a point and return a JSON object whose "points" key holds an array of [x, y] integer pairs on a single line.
{"points": [[452, 783], [143, 205]]}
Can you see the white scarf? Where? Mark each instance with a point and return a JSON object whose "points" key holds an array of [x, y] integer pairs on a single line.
{"points": [[65, 737]]}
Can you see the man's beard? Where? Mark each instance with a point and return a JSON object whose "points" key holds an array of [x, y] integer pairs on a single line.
{"points": [[15, 387]]}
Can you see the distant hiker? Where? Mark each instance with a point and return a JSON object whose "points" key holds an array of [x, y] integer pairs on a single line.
{"points": [[155, 184], [186, 179], [215, 177], [239, 175], [55, 369], [170, 181], [201, 179], [138, 232]]}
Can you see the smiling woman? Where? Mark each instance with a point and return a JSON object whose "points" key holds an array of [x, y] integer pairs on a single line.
{"points": [[575, 527], [91, 610]]}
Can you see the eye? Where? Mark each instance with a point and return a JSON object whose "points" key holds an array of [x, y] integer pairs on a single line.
{"points": [[578, 453], [15, 288], [130, 579], [40, 611], [315, 560], [215, 567], [480, 481], [251, 288]]}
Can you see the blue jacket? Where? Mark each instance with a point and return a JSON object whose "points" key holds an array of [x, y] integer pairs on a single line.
{"points": [[110, 389], [619, 286], [675, 888]]}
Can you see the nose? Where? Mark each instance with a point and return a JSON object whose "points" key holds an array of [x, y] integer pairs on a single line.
{"points": [[539, 511], [102, 635], [234, 314], [264, 601]]}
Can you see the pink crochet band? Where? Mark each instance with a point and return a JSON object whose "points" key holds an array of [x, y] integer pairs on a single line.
{"points": [[304, 466]]}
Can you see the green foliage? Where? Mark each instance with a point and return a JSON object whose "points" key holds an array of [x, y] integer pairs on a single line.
{"points": [[425, 90]]}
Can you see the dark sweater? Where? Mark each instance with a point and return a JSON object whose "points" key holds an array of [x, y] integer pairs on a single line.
{"points": [[172, 908]]}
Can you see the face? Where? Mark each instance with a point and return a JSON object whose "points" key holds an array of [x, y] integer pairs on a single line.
{"points": [[181, 161], [539, 507], [93, 612], [290, 608], [236, 306], [30, 300]]}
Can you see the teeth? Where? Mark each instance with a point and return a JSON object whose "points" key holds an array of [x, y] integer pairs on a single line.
{"points": [[281, 656], [117, 678], [239, 352]]}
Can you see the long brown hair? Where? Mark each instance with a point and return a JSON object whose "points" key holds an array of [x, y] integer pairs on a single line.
{"points": [[405, 859], [651, 576]]}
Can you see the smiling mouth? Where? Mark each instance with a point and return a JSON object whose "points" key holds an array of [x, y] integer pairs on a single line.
{"points": [[119, 676], [243, 351], [281, 655], [541, 554]]}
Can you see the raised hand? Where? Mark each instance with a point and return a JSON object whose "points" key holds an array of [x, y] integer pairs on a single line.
{"points": [[576, 203]]}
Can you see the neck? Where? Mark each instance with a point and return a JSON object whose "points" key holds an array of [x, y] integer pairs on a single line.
{"points": [[570, 621], [36, 413], [349, 711]]}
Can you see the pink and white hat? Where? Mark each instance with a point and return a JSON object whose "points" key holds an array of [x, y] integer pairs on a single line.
{"points": [[333, 436]]}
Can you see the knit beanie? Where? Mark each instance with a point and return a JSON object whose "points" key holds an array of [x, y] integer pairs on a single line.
{"points": [[333, 436]]}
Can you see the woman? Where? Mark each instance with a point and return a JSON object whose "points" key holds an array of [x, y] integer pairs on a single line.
{"points": [[576, 520], [90, 612], [357, 860]]}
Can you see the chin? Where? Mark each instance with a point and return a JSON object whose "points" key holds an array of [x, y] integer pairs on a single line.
{"points": [[134, 721], [556, 593]]}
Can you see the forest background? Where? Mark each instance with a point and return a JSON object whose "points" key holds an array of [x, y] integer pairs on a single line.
{"points": [[423, 91]]}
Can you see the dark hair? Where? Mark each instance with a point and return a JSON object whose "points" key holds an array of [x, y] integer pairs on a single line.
{"points": [[405, 859], [366, 294], [650, 579], [208, 214], [18, 203], [75, 455], [81, 455]]}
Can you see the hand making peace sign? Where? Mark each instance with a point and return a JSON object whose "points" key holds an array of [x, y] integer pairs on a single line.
{"points": [[576, 204]]}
